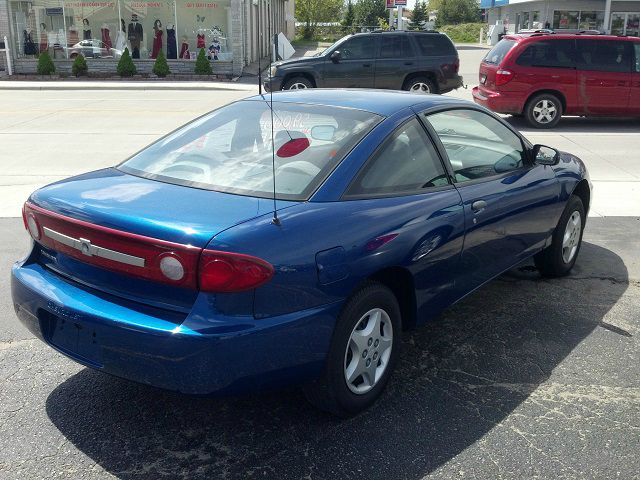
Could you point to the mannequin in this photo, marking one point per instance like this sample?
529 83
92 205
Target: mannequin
172 45
200 40
86 29
121 41
157 38
30 48
135 34
106 37
184 49
44 39
214 49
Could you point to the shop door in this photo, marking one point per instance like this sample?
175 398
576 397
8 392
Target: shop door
617 23
632 25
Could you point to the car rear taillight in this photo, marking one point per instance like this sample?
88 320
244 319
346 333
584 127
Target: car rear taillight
503 77
145 257
231 272
456 65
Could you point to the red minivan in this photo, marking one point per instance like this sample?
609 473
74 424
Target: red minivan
546 75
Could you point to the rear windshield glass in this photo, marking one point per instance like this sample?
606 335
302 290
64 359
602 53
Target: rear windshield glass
229 150
497 53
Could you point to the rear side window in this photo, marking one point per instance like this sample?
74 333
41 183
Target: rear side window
497 53
432 45
407 163
395 46
636 46
549 53
604 55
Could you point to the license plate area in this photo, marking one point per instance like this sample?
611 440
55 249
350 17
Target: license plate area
483 78
75 338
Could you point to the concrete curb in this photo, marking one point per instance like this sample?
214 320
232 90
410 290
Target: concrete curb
123 85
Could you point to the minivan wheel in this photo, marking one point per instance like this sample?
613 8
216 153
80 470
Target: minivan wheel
544 111
297 83
363 352
420 85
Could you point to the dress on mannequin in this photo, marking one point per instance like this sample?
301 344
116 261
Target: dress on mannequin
135 33
44 41
30 47
200 43
172 46
106 38
157 43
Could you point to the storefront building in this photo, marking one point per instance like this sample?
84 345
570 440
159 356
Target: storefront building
618 17
102 29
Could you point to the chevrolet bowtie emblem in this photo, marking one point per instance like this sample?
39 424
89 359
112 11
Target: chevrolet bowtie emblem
90 250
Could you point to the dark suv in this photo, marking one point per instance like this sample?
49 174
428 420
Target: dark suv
421 62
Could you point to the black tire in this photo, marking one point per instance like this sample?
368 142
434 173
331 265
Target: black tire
550 262
330 392
292 82
424 82
537 101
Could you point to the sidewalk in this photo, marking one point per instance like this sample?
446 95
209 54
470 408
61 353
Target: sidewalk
72 84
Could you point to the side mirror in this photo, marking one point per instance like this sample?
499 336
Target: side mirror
544 155
336 57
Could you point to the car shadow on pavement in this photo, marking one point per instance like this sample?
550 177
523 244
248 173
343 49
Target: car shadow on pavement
600 125
458 378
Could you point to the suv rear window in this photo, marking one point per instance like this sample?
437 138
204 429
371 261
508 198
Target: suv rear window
229 150
497 53
549 53
433 44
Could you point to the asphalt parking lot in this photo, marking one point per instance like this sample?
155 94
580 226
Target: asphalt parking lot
526 378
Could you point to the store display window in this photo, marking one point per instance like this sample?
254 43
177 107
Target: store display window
103 29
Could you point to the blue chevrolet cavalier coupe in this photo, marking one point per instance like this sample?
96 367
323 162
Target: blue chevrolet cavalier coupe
180 269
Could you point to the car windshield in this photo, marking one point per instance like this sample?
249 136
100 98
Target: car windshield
497 53
230 149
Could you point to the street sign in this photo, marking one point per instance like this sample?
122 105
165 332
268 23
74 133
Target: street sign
401 3
391 3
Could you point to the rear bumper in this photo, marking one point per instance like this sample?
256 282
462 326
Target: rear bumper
500 102
452 84
201 355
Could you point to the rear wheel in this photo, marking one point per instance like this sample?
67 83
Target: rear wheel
543 111
297 83
420 85
559 258
363 353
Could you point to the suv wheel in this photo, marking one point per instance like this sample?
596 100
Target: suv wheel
297 83
420 85
543 111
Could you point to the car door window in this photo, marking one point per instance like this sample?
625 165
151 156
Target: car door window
549 53
636 46
477 144
407 163
357 48
395 46
604 55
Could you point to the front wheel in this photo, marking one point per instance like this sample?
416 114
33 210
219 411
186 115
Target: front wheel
362 355
559 258
420 85
297 83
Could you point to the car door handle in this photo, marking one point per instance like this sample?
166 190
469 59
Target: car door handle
366 64
478 206
408 63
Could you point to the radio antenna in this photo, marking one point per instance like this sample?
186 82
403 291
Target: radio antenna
275 220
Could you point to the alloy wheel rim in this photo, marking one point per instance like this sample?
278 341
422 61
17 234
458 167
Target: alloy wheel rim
421 88
571 238
544 111
297 86
368 351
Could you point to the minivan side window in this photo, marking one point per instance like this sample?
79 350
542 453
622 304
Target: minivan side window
358 48
604 55
477 144
636 46
407 163
549 53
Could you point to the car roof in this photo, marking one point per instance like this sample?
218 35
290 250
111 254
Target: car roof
381 102
532 37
